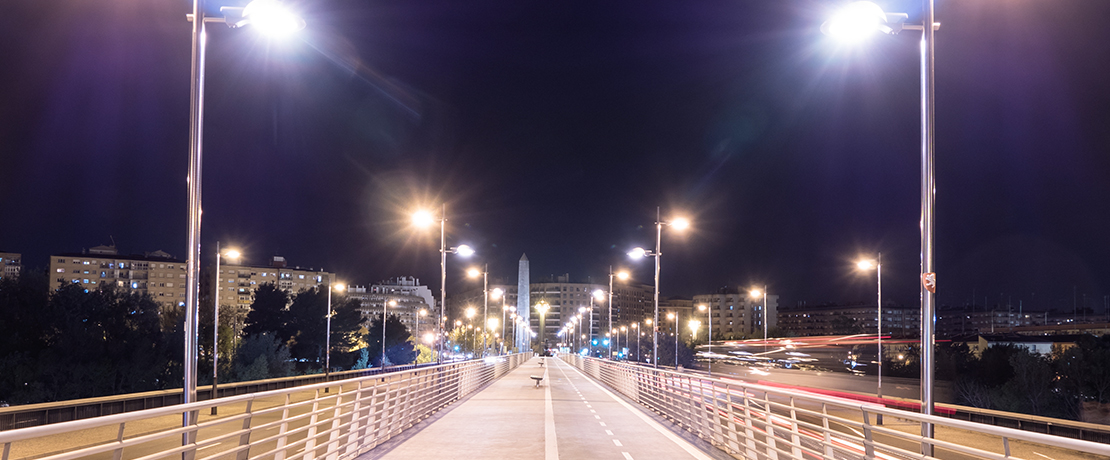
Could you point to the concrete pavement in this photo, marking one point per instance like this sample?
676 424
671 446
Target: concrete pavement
569 416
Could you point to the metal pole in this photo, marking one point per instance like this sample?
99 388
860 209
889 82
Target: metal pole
764 318
503 308
385 309
709 317
655 301
327 336
442 327
676 340
611 311
196 131
928 195
485 308
216 329
879 280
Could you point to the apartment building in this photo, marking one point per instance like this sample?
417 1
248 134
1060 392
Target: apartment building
156 273
735 313
236 283
10 264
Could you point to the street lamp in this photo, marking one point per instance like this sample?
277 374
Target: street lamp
624 329
709 319
755 294
385 309
470 312
623 275
327 338
694 325
877 265
230 254
422 312
424 219
674 317
473 273
863 19
261 14
680 223
542 308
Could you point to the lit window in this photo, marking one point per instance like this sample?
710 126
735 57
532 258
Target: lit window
60 270
85 280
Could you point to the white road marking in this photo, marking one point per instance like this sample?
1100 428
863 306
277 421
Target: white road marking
597 417
602 423
1043 455
689 448
609 432
618 443
626 455
550 444
593 411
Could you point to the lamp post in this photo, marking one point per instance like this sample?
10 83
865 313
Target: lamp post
755 295
674 317
709 319
327 336
422 312
623 275
542 308
473 273
425 219
694 325
858 20
624 329
267 16
470 312
877 264
385 310
231 254
679 224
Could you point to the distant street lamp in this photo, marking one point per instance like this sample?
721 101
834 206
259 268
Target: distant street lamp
473 273
267 16
424 219
327 337
422 312
862 19
231 254
709 319
680 223
623 275
694 325
877 264
755 295
542 308
624 329
385 310
674 317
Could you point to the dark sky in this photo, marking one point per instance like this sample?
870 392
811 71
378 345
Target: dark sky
556 128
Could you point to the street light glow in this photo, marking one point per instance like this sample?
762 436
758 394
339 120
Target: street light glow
232 254
756 293
623 275
866 264
496 293
339 287
470 312
473 272
423 219
464 250
637 253
856 22
271 18
599 294
680 223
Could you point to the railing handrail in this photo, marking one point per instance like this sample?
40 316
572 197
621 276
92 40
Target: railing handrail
21 434
851 405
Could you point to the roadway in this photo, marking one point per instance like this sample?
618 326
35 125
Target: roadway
895 387
568 416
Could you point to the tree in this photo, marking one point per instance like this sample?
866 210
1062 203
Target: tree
398 348
267 312
261 356
305 326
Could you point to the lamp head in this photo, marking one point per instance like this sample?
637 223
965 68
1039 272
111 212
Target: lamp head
756 293
702 307
423 219
471 311
496 293
473 273
866 265
339 287
623 275
231 254
464 250
271 18
637 253
857 21
680 223
599 295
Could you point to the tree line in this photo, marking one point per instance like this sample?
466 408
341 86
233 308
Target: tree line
73 343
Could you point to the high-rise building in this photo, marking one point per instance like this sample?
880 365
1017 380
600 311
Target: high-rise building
404 297
237 282
898 320
155 273
10 264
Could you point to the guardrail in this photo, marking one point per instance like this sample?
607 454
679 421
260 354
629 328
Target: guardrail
763 422
333 420
26 416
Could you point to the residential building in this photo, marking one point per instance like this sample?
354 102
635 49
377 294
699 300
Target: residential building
404 296
238 282
736 314
833 319
10 264
155 273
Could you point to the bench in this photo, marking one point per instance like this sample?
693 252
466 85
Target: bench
538 379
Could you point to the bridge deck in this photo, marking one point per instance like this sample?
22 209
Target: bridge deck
569 416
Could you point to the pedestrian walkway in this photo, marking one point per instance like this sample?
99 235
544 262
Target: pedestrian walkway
568 416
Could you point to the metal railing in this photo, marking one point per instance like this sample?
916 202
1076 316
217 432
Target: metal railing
334 420
29 415
761 422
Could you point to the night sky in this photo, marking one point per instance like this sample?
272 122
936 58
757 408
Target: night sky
556 128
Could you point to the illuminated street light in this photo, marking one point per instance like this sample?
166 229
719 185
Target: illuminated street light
755 294
424 219
385 309
474 273
839 26
623 275
673 317
196 142
327 338
709 319
877 265
230 254
679 223
542 308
